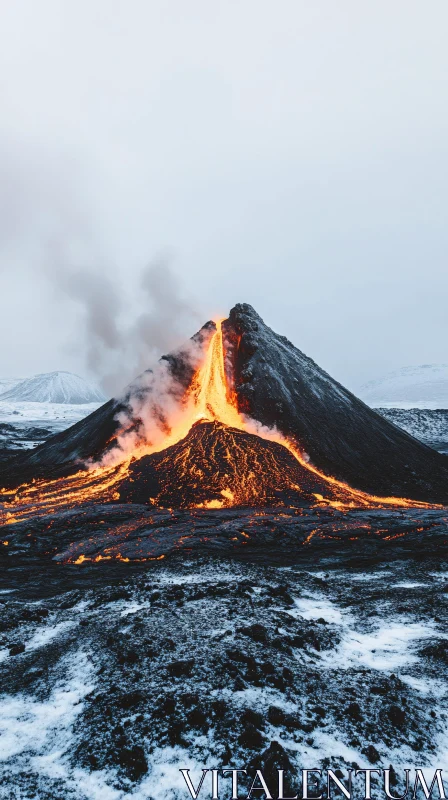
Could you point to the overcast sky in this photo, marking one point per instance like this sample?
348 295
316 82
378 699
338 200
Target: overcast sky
289 154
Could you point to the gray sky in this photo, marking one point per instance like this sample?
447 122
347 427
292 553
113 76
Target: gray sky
290 154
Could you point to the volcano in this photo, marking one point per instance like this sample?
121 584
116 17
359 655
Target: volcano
236 417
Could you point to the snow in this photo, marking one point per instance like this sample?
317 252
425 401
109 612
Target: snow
441 576
315 607
8 383
132 608
424 386
56 416
425 685
165 779
47 633
213 576
260 697
410 405
408 585
324 743
43 728
54 387
428 425
386 647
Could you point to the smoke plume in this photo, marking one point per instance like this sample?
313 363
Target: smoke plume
117 349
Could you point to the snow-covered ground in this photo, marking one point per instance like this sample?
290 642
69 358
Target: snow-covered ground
56 415
33 409
112 685
25 425
424 386
415 399
429 426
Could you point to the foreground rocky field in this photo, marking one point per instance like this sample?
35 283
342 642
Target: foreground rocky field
116 675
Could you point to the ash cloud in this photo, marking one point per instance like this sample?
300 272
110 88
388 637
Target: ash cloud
117 350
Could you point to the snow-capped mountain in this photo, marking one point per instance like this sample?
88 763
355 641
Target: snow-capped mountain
53 387
8 383
425 386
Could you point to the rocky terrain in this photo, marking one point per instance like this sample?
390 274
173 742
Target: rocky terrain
116 675
16 437
24 426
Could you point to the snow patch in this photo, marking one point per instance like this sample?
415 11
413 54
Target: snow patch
47 633
368 576
387 647
44 729
408 585
425 685
316 607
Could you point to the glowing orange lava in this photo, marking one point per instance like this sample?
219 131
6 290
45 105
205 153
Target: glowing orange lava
212 400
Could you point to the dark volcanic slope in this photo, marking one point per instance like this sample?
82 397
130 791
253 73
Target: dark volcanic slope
278 385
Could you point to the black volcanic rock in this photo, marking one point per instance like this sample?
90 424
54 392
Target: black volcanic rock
73 704
276 384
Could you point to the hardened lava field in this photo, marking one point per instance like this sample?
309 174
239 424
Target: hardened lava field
120 674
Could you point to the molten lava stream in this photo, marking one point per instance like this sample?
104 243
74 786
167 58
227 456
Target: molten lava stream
43 497
208 400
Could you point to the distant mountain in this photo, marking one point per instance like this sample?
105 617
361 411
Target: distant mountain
425 386
53 387
8 383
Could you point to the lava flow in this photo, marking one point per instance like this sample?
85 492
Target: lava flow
212 457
